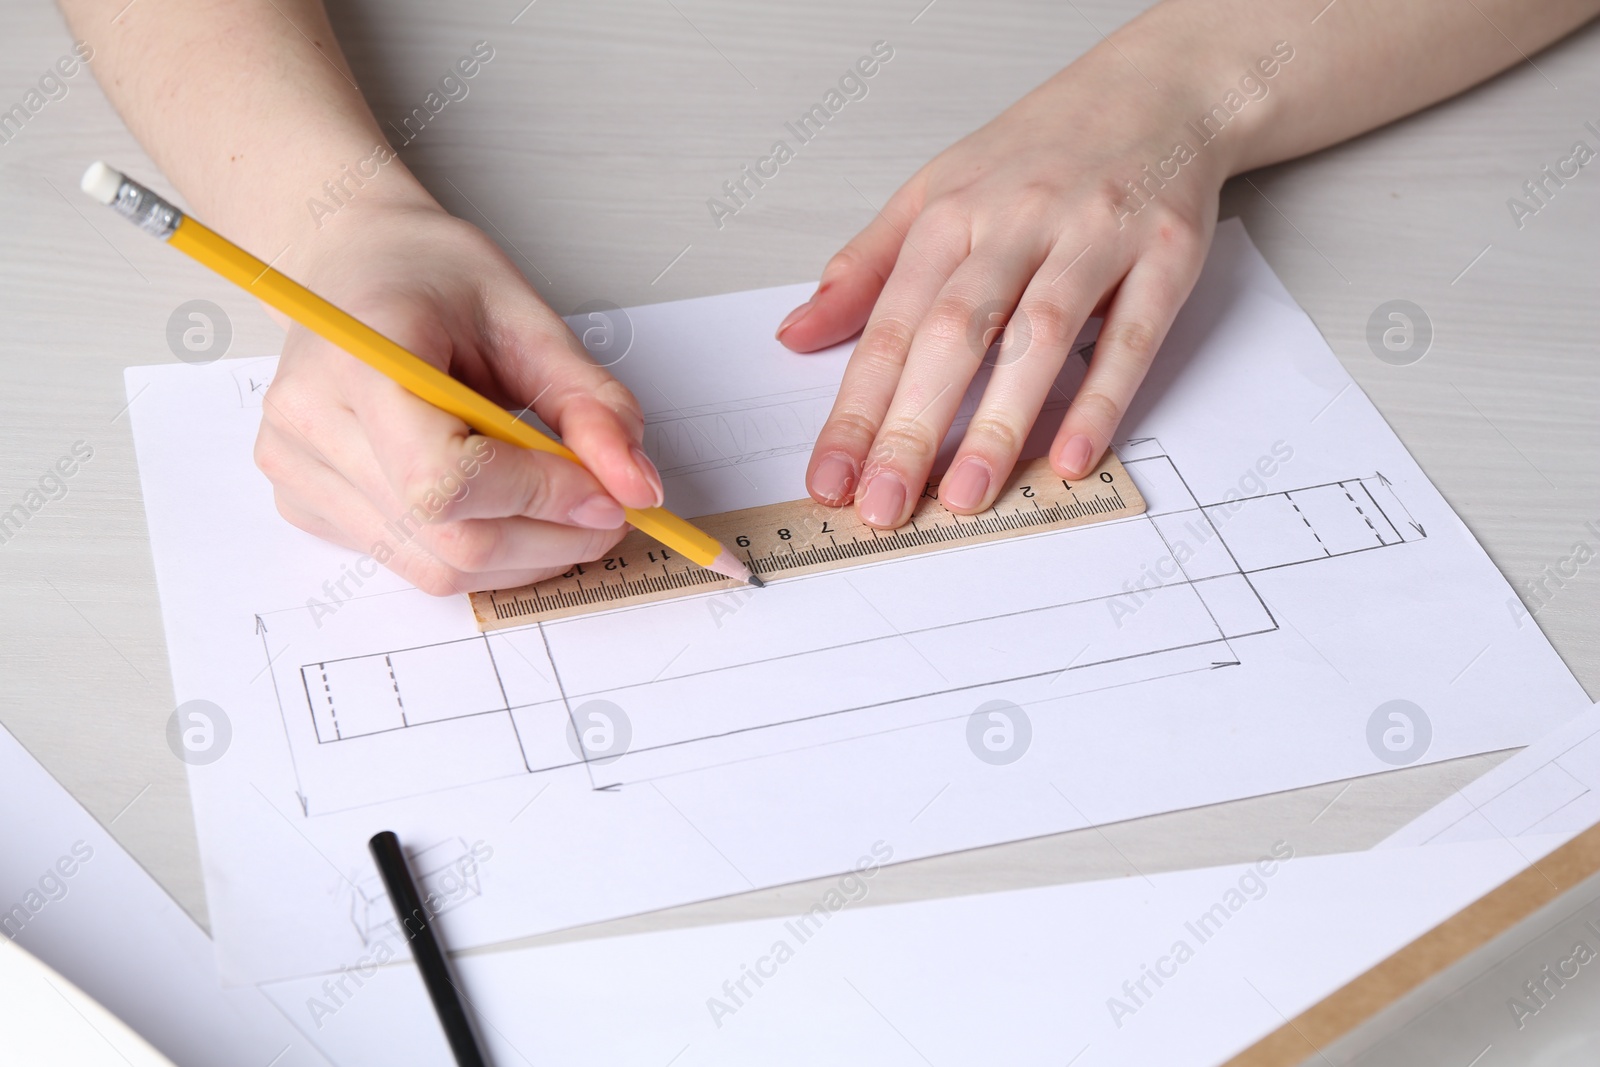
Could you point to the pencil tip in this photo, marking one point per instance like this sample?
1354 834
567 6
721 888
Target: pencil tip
732 566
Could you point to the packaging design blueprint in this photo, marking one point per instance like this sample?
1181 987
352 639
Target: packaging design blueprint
1295 583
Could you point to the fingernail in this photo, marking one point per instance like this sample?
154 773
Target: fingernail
599 512
796 315
834 478
648 472
884 499
1075 454
967 483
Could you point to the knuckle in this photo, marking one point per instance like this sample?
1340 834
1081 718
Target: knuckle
435 577
901 446
535 493
1035 198
289 407
1179 229
269 458
599 541
467 546
441 509
885 343
619 398
851 428
1133 341
1048 324
427 484
947 212
291 514
951 320
995 436
1113 200
1100 410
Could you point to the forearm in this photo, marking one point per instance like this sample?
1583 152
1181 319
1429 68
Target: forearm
248 107
1360 64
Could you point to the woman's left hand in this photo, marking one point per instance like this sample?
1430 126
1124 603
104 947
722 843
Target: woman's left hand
1029 220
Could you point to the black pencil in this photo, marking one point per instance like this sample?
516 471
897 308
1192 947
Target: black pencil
418 927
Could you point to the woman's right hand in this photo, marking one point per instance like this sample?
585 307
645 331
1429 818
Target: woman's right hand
356 459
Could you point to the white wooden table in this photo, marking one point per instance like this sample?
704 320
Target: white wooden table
589 146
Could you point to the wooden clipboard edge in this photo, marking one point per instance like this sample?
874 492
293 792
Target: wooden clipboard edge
1474 926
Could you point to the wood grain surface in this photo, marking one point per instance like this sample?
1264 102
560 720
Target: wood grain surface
588 149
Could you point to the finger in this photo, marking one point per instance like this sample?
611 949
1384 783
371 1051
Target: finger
432 465
498 480
313 496
424 565
544 365
933 251
948 349
603 426
1137 321
534 360
1037 339
854 277
305 518
306 424
410 457
439 558
484 546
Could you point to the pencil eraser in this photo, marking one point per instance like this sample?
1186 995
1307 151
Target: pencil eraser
101 182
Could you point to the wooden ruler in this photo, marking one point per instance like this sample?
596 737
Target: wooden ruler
803 537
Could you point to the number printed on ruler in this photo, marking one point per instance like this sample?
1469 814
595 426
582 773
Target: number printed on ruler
798 537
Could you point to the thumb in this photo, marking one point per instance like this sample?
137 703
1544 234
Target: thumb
852 280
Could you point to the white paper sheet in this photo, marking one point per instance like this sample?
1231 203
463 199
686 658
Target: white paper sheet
1202 652
1036 974
1033 976
1551 790
1091 975
72 897
1019 977
47 1019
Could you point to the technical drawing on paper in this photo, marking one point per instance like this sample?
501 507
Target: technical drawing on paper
1170 592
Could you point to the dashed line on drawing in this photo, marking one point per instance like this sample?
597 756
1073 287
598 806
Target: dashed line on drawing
1363 514
387 662
1307 521
333 713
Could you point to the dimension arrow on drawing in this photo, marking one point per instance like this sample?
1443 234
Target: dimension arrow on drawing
1415 525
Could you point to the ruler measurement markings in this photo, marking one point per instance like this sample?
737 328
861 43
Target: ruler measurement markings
811 535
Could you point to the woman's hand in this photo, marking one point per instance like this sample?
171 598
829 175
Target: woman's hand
1027 218
356 459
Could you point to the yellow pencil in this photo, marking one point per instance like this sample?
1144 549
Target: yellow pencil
158 217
